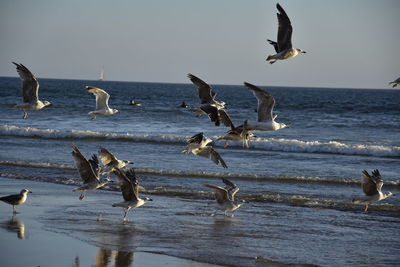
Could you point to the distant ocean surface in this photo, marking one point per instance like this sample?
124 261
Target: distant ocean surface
296 178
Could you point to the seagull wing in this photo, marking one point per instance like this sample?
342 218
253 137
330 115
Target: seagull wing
369 184
106 156
265 103
11 198
197 138
206 94
284 30
128 186
30 86
209 152
94 163
274 44
212 113
378 179
231 188
101 97
83 165
224 117
221 194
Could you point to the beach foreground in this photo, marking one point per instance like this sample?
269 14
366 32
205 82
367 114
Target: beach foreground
27 241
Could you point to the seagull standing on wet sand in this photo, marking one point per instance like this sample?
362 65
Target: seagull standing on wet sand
110 161
372 186
130 191
265 117
283 47
89 172
30 91
16 199
102 107
225 196
198 145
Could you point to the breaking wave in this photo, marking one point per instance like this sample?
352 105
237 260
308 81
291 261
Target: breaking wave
269 144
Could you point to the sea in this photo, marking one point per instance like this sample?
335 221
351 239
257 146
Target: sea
298 182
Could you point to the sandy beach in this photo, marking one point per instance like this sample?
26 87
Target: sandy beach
27 241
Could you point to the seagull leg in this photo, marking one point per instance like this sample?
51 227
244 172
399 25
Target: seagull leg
366 207
125 215
93 117
25 115
14 210
82 196
226 144
272 62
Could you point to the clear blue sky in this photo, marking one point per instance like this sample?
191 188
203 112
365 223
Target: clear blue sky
349 43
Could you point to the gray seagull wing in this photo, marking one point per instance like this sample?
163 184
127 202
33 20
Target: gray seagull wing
265 103
221 194
83 165
284 30
206 94
129 185
30 85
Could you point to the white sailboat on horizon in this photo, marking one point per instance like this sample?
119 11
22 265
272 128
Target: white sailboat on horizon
101 74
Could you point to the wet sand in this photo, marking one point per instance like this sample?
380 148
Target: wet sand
25 241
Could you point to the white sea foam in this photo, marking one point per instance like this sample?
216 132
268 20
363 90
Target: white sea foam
271 144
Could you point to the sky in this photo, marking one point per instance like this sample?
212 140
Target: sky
350 44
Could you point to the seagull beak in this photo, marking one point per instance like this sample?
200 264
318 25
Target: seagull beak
30 191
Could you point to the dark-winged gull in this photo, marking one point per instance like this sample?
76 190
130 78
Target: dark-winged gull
372 186
199 145
130 191
225 196
283 47
395 82
110 161
210 106
16 199
30 91
265 117
102 107
89 171
236 134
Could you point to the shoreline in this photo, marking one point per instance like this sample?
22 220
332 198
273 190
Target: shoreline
30 243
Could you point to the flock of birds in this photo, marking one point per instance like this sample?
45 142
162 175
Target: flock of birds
91 171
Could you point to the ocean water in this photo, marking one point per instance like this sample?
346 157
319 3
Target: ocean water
299 181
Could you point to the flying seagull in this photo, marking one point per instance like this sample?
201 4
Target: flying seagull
30 91
110 161
102 107
210 106
283 47
265 117
130 191
89 172
17 199
237 134
199 145
372 186
395 82
225 196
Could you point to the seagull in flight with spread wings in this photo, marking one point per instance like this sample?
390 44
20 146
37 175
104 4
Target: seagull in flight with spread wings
102 107
283 48
372 187
30 91
265 116
110 161
89 171
130 191
225 196
199 145
209 105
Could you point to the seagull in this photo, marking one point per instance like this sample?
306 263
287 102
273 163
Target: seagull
395 82
283 47
130 191
89 172
265 118
111 162
213 108
102 107
236 134
16 199
30 91
225 196
198 145
372 186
